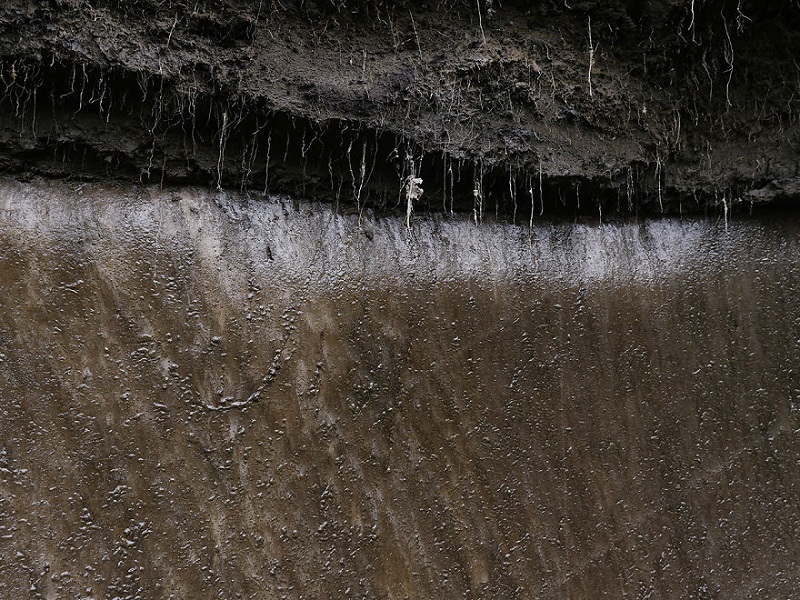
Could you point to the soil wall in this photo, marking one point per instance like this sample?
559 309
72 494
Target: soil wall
205 397
509 107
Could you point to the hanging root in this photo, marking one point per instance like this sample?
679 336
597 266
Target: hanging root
223 139
592 50
413 189
512 189
658 181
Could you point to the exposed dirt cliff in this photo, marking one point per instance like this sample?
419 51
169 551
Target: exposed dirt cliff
205 397
615 106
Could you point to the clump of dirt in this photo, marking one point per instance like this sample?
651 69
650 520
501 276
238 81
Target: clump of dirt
509 108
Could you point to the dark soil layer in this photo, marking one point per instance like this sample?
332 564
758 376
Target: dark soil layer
615 105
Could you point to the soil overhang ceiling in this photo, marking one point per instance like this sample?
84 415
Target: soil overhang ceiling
497 108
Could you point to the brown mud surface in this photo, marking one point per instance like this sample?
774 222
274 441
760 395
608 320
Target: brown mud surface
512 107
206 397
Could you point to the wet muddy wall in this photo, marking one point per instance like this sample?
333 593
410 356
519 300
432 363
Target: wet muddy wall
208 396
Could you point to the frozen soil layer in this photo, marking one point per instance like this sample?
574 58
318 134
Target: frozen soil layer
511 107
206 397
